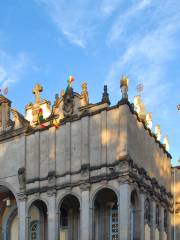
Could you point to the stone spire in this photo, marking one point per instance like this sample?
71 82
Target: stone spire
124 87
105 96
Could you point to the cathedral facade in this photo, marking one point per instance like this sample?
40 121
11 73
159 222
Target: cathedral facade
82 171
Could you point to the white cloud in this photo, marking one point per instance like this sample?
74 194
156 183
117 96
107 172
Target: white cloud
74 19
121 22
146 58
108 7
79 21
11 68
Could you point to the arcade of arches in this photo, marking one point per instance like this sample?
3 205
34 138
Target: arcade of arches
105 217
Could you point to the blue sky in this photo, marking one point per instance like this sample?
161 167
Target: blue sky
96 41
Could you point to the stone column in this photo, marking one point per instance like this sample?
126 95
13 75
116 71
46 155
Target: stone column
68 150
85 214
124 211
142 200
169 226
52 216
23 218
161 237
153 219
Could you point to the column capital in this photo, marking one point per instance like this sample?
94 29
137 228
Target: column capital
85 187
51 192
22 197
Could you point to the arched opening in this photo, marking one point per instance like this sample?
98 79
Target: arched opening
69 221
135 216
8 215
147 219
37 216
105 219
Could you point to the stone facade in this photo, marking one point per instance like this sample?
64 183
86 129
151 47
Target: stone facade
82 171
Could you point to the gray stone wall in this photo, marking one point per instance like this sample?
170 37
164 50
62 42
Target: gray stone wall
90 142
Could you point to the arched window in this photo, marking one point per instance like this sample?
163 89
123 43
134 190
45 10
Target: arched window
38 224
105 215
147 212
35 230
135 216
69 222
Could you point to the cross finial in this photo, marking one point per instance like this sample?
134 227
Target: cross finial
37 89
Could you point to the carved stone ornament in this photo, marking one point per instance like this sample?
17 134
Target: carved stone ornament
124 87
51 178
18 119
57 101
85 93
22 178
105 96
68 107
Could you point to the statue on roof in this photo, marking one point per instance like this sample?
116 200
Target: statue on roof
68 103
84 93
5 108
124 87
105 96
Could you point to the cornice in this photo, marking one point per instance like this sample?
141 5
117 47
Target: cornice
125 171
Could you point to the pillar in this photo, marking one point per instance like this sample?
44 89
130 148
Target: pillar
169 226
85 214
153 219
142 200
23 218
161 223
124 211
52 216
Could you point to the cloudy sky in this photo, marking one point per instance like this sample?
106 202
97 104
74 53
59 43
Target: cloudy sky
96 41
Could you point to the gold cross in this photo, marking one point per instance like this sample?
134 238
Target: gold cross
37 89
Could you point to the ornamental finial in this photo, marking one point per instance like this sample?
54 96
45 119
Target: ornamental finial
124 87
105 96
158 132
139 107
84 93
149 120
166 142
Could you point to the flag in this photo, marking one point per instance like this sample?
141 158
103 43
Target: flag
41 118
69 82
